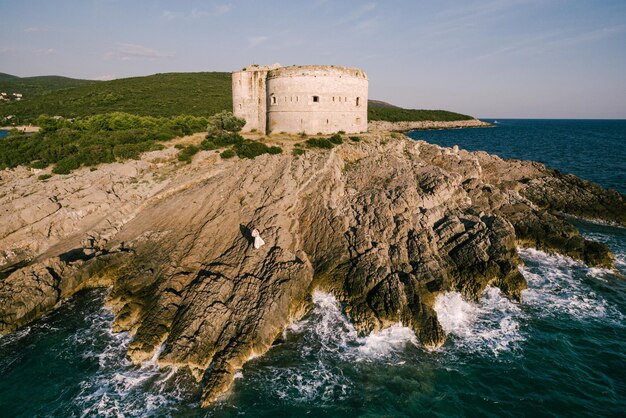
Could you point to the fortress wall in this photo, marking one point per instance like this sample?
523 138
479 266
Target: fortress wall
292 105
249 98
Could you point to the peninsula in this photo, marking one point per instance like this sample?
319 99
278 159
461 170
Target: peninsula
382 222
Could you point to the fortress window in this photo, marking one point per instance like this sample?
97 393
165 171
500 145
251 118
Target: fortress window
273 99
333 98
358 121
358 100
316 99
239 105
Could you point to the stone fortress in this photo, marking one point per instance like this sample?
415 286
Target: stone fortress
311 99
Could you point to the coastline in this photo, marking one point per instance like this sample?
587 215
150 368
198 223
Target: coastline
404 126
22 128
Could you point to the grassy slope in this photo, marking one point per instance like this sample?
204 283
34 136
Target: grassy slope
170 94
35 86
384 111
199 94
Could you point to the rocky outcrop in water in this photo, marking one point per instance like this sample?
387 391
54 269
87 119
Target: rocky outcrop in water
403 126
384 224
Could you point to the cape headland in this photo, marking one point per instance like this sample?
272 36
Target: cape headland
384 223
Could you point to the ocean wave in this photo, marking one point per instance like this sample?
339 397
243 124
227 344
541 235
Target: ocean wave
557 286
490 326
118 388
326 343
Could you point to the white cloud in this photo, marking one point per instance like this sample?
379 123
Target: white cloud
257 40
216 10
33 29
45 51
169 15
127 52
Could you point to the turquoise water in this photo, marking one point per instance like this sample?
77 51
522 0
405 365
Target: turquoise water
559 353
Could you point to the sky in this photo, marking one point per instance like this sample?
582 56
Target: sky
489 59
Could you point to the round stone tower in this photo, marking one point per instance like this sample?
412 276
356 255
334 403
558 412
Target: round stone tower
316 98
311 99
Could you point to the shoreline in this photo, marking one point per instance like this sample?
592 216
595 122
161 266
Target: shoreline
29 129
405 126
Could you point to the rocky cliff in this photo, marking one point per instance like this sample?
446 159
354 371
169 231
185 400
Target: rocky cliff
384 224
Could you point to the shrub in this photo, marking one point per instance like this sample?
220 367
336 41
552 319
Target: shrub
250 149
66 165
221 140
319 143
297 152
39 164
302 134
44 177
336 139
341 132
224 121
96 139
355 138
274 150
187 153
229 153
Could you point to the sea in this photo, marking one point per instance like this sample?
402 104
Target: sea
560 352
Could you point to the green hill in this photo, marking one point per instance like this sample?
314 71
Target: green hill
35 86
378 110
198 94
159 95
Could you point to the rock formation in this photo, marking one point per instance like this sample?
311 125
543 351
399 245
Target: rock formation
384 224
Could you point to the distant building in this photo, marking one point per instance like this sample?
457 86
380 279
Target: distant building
310 98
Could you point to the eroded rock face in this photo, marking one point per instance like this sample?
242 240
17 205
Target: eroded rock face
385 225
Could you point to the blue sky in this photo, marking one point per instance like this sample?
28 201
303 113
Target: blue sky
507 58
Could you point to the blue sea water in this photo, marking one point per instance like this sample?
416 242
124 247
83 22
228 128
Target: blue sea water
4 133
561 352
592 149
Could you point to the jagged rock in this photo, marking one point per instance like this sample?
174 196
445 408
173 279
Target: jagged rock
385 224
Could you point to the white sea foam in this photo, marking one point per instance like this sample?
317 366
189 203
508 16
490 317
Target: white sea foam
386 342
336 333
557 286
329 339
489 326
118 388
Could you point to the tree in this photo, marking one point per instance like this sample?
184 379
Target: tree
224 122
